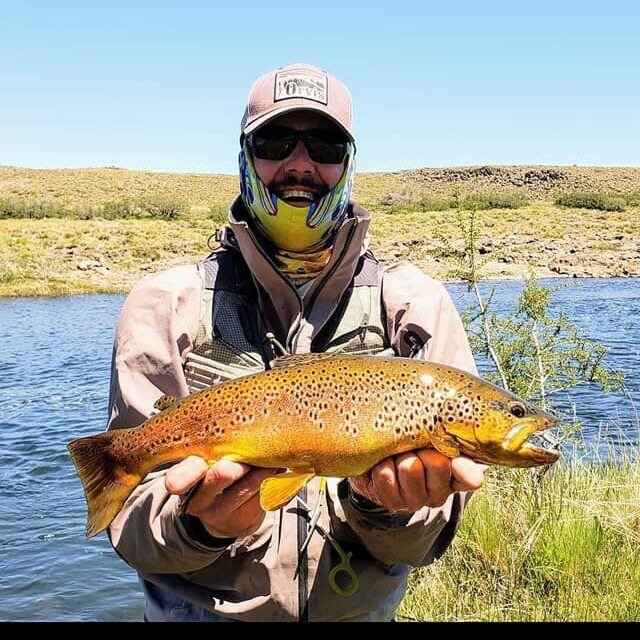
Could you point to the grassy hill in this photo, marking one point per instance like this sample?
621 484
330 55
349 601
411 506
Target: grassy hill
89 230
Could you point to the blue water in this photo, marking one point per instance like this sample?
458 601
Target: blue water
605 310
54 377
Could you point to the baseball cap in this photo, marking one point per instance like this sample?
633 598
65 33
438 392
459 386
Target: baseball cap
298 86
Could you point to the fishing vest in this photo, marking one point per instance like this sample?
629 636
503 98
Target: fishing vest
232 336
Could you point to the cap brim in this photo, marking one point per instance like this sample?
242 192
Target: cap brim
300 106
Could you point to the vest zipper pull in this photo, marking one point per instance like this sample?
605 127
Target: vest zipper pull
363 328
275 344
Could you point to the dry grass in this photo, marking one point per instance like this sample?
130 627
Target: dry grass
565 550
58 256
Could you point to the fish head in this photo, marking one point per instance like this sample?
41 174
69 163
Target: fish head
500 428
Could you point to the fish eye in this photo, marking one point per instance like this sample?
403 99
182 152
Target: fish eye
517 410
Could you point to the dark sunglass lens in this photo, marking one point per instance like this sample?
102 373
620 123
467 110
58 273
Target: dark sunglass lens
326 146
326 152
272 148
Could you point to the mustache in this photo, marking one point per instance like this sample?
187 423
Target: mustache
291 182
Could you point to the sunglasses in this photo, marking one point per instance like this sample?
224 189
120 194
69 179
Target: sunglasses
325 146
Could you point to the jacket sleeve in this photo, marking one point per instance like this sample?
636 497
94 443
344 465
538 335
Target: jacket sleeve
421 318
158 323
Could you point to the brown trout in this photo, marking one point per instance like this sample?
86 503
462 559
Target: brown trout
315 414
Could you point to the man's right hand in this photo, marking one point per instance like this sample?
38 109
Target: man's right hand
228 500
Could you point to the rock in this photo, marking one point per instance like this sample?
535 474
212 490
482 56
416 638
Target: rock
544 176
87 265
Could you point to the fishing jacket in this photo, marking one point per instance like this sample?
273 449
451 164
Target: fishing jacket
192 326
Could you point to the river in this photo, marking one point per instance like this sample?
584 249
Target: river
54 378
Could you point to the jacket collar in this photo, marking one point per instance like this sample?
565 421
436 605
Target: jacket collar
293 314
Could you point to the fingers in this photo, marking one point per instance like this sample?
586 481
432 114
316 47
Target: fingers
227 502
184 475
438 476
385 487
411 477
467 475
246 483
416 479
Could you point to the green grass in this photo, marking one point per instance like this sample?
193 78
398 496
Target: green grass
100 230
565 549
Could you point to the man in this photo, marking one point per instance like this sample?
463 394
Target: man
293 273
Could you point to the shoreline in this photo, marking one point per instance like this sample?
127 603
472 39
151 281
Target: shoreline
84 250
65 288
124 292
61 256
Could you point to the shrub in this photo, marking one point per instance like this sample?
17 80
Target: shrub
168 207
631 199
31 208
117 209
591 200
218 213
431 203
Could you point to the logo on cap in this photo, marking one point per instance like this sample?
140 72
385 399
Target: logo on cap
301 84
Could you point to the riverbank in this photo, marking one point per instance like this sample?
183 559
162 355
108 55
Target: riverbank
412 212
565 548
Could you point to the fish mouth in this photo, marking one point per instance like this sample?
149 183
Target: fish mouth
532 440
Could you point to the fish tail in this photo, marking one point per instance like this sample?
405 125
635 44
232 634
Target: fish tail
106 481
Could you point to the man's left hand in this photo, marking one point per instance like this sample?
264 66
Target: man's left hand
416 479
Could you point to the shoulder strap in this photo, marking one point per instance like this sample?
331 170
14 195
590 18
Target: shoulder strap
225 270
369 272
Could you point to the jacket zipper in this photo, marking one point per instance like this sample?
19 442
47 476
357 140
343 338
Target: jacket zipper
303 565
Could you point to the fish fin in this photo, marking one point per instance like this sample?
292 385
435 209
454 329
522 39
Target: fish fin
276 491
105 480
298 359
164 402
445 444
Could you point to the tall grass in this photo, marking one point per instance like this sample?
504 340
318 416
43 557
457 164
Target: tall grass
564 547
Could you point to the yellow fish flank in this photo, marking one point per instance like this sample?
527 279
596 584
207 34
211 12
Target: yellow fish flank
319 415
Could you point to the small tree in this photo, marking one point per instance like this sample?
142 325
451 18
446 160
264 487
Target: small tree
535 352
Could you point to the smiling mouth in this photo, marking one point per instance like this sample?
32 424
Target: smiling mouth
297 197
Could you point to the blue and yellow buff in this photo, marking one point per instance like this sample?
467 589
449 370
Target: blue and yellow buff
302 236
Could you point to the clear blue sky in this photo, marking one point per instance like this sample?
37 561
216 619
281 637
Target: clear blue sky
162 85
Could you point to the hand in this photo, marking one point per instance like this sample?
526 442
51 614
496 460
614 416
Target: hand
416 479
228 500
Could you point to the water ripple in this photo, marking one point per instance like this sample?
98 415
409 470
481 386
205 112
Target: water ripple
54 384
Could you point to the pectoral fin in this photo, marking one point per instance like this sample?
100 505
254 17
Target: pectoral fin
445 444
276 491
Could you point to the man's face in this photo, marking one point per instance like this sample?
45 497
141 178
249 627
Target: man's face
297 179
